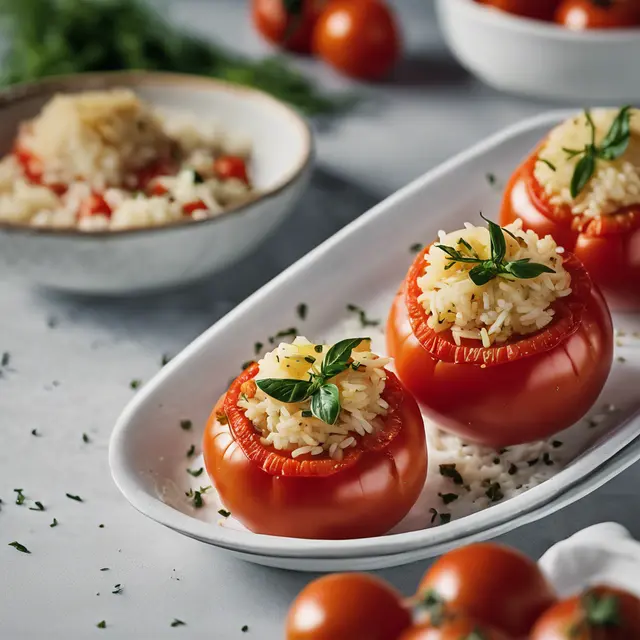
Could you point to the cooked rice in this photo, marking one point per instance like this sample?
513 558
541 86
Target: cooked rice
97 142
502 307
615 183
282 424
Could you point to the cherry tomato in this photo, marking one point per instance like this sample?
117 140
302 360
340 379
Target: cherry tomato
347 606
608 246
226 167
288 29
190 207
523 390
358 37
493 584
535 9
600 613
93 205
598 14
365 494
457 627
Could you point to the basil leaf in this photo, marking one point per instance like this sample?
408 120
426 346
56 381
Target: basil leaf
285 390
616 141
482 274
524 269
498 243
582 173
335 361
325 403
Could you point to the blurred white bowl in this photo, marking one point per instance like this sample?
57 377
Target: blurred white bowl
130 261
541 59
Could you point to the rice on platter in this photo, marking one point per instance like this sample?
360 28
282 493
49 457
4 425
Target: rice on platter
106 160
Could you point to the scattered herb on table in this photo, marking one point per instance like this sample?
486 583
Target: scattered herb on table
166 358
102 624
324 395
135 383
302 310
6 358
491 179
20 498
362 315
191 451
196 473
178 623
39 506
85 438
414 248
186 424
450 471
104 569
494 492
448 498
34 432
117 589
245 628
72 497
486 270
54 523
196 496
19 547
258 347
224 513
613 145
291 332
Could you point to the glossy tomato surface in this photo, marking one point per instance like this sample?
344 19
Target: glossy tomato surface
365 494
347 606
459 627
598 14
535 9
226 167
288 29
608 246
358 37
601 613
519 392
493 584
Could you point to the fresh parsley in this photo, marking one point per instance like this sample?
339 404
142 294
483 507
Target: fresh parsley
224 513
72 497
196 496
196 473
448 498
39 506
450 471
102 624
486 270
19 547
324 396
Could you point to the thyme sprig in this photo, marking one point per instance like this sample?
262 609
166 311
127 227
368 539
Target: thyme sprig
496 265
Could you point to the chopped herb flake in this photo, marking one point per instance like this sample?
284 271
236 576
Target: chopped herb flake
39 506
533 462
104 569
512 469
34 432
549 164
546 458
245 628
6 357
362 315
166 358
19 547
178 623
434 514
414 248
195 472
494 492
85 438
54 523
224 513
258 347
186 424
117 589
102 624
100 526
306 413
301 310
20 497
134 384
309 359
491 179
450 471
556 443
318 348
445 518
191 451
72 497
447 498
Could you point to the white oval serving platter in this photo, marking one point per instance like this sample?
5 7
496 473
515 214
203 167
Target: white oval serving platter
363 265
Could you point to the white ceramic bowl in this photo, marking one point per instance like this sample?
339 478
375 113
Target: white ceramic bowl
540 59
131 261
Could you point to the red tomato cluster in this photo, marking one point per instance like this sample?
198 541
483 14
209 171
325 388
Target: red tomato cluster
479 592
575 14
359 38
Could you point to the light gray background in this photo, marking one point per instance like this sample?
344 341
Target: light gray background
74 378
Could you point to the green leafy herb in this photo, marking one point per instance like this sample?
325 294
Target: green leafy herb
601 610
195 472
549 164
362 315
486 270
54 523
450 471
85 438
19 547
102 624
135 383
196 496
6 357
20 497
185 425
612 146
448 498
39 506
224 513
318 348
178 623
302 310
72 497
191 451
494 492
325 397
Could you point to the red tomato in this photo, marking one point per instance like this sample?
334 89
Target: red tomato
493 584
32 169
536 9
358 37
458 627
524 390
94 205
347 606
608 246
600 613
226 167
598 14
365 494
162 167
288 29
190 207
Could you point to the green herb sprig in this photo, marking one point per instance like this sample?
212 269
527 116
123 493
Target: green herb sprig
613 145
324 395
496 266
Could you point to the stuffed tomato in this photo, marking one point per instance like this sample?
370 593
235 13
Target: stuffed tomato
317 442
500 336
582 186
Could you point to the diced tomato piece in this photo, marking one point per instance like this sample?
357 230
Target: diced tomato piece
94 205
158 189
190 207
226 167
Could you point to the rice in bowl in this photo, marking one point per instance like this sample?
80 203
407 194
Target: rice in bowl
106 160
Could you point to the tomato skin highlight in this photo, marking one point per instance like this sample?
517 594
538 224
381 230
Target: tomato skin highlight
507 401
608 246
272 21
493 584
347 606
359 38
457 628
366 494
226 167
589 14
566 620
534 9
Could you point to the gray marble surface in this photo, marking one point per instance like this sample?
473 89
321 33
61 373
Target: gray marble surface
71 361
